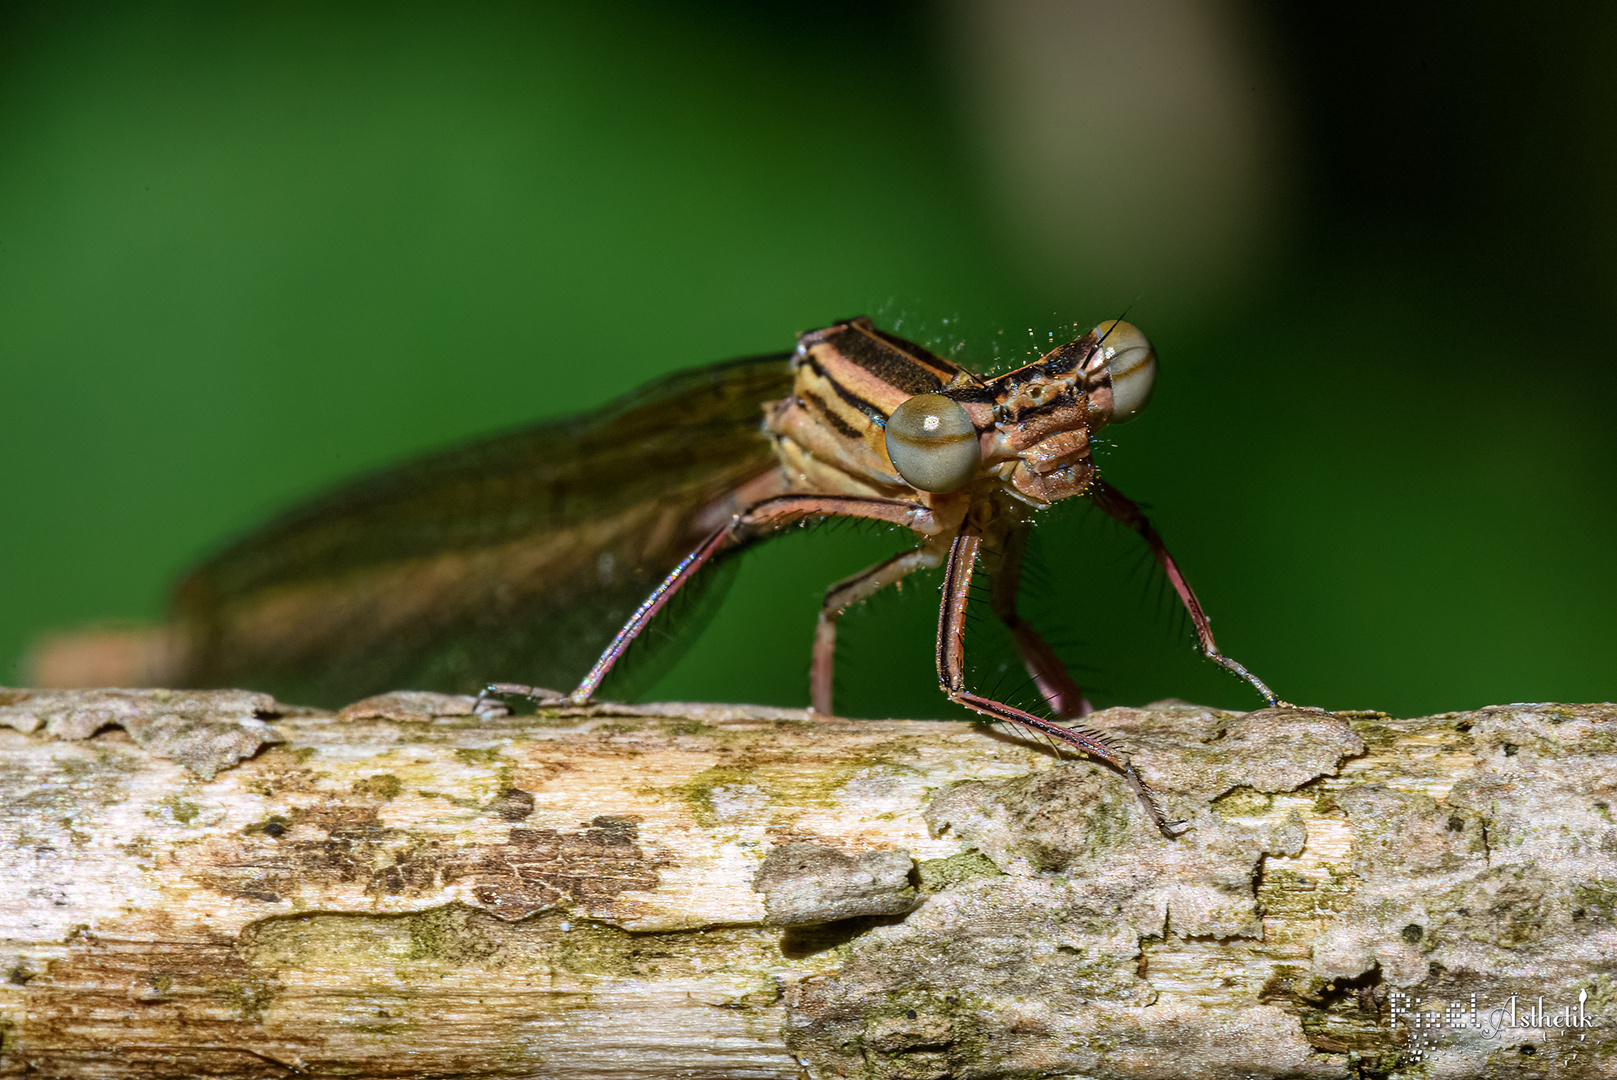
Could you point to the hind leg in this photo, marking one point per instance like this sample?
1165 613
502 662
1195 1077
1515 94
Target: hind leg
1050 675
843 595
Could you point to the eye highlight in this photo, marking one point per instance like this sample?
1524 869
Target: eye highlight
933 444
1131 364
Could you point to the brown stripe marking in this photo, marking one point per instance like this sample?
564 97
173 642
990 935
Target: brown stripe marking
819 405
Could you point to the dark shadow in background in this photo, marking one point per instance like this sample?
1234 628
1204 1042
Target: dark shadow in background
1387 468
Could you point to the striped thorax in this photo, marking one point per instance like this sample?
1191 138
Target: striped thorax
874 415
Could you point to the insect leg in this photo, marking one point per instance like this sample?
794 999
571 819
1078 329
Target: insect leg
1049 674
1121 508
951 657
843 595
761 517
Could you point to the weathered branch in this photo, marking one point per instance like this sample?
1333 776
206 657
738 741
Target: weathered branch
408 890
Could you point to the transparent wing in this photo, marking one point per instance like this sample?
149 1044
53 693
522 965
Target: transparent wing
511 559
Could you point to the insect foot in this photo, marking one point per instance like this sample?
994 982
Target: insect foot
494 693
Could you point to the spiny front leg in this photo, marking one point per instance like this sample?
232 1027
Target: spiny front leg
843 595
951 658
1123 510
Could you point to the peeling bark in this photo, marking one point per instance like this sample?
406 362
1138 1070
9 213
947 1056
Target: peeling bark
412 889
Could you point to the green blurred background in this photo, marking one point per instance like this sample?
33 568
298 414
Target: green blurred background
249 250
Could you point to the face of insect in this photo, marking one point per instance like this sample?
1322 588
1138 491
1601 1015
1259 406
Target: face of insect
1043 413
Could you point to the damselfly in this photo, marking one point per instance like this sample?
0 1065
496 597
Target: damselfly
521 555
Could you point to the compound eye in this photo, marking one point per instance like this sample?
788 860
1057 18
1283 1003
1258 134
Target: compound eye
933 444
1131 363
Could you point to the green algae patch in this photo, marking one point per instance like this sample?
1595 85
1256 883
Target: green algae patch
248 998
452 800
697 792
1595 900
939 874
445 935
459 941
381 786
490 757
1242 802
1376 734
790 779
78 780
783 787
181 811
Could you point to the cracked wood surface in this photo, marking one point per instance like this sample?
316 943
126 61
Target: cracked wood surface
410 889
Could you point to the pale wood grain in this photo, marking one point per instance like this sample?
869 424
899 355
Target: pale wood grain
396 892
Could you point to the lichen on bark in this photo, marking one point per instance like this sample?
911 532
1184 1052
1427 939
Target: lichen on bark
412 887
